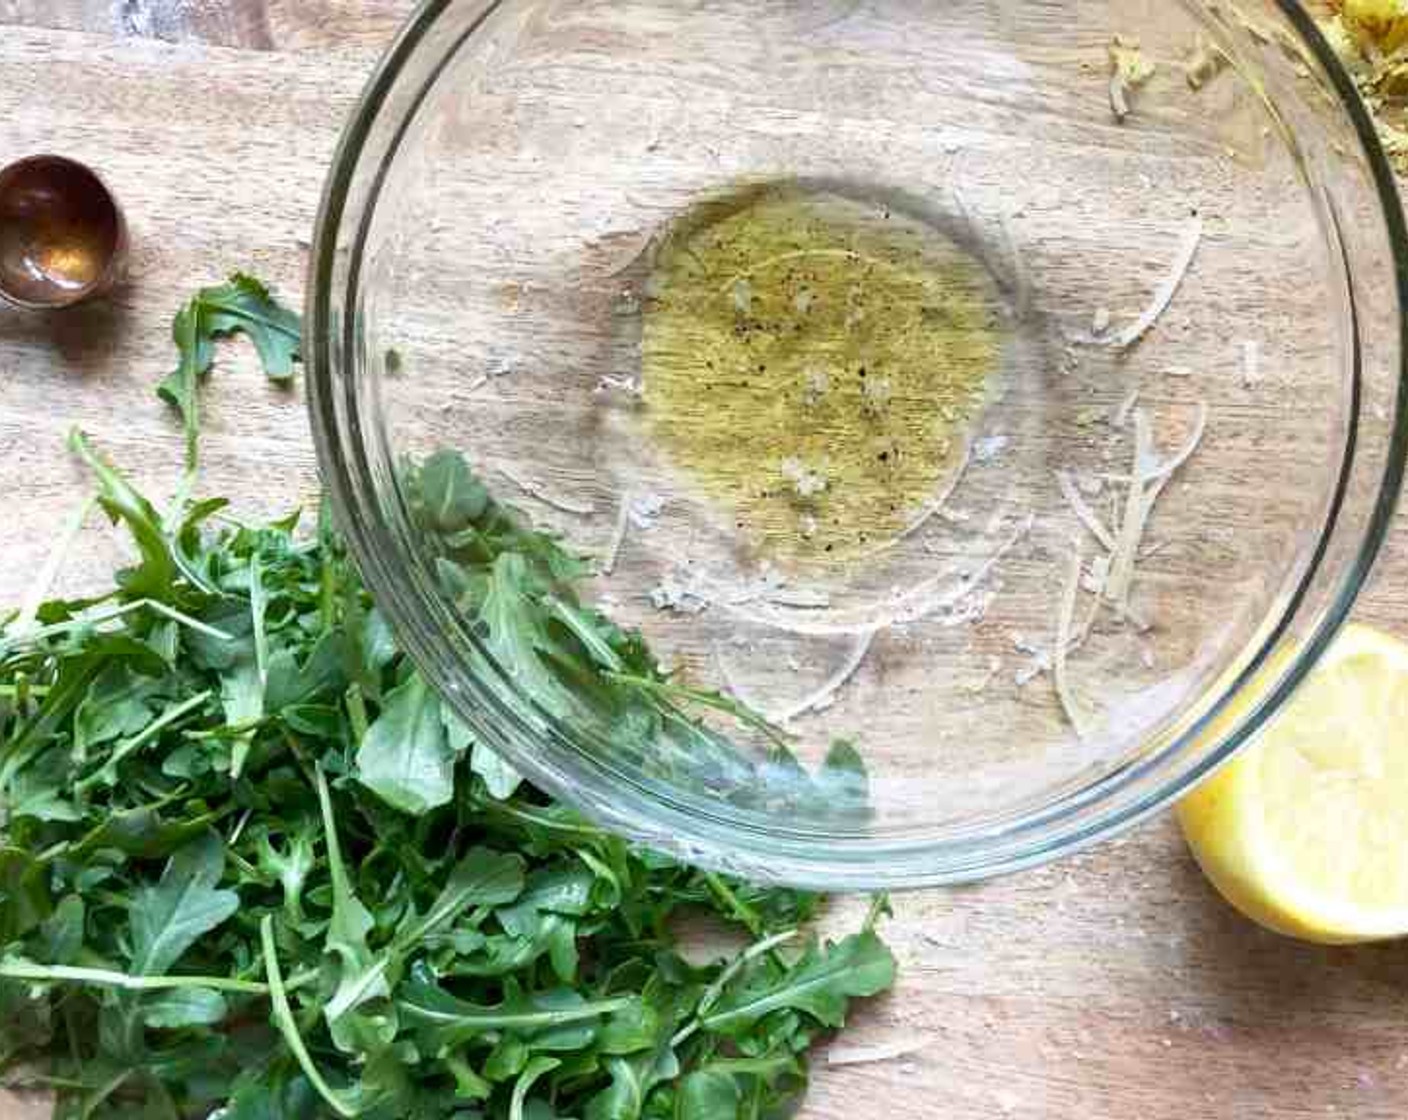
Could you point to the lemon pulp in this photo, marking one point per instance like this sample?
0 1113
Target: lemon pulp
1305 831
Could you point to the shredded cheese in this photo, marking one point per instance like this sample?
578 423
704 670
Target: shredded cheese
1088 517
1163 295
533 490
857 1055
1132 524
618 535
1064 623
1251 363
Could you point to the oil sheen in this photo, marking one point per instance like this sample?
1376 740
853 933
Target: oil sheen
813 364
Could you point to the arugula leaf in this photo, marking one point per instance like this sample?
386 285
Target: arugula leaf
61 936
288 1025
631 1083
244 305
38 790
446 1021
291 867
821 984
708 1095
24 895
320 675
647 1039
500 779
378 642
116 705
257 1098
454 499
518 636
405 757
843 781
154 576
168 918
481 878
535 1069
347 935
185 1007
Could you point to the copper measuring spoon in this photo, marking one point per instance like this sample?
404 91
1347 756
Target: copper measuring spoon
63 239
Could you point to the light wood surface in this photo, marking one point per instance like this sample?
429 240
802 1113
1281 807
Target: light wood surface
1112 986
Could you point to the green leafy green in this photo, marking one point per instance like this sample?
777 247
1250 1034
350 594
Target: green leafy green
122 503
820 983
240 305
184 905
185 1007
454 499
251 866
708 1094
405 756
444 1021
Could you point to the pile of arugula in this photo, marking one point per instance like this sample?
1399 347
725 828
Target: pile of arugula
252 868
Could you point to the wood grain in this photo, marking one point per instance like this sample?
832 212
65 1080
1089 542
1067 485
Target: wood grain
249 24
1111 986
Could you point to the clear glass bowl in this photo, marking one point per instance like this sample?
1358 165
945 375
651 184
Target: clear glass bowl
1051 352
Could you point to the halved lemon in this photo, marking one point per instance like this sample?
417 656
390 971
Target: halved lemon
1306 831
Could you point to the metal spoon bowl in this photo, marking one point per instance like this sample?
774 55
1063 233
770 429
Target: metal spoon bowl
63 239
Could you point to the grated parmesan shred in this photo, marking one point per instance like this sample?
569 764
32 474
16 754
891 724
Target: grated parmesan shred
1128 71
1064 624
884 1052
618 535
1111 576
1131 529
1088 517
533 490
1163 295
1251 363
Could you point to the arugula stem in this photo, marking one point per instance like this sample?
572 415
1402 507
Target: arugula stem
667 690
328 597
96 833
238 831
99 1095
734 967
24 690
102 977
15 969
108 771
258 602
740 909
356 712
879 908
537 820
97 619
288 1026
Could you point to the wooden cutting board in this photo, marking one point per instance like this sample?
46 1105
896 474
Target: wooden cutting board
1112 986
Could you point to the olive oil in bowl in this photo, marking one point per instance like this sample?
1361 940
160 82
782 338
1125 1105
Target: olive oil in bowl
814 362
